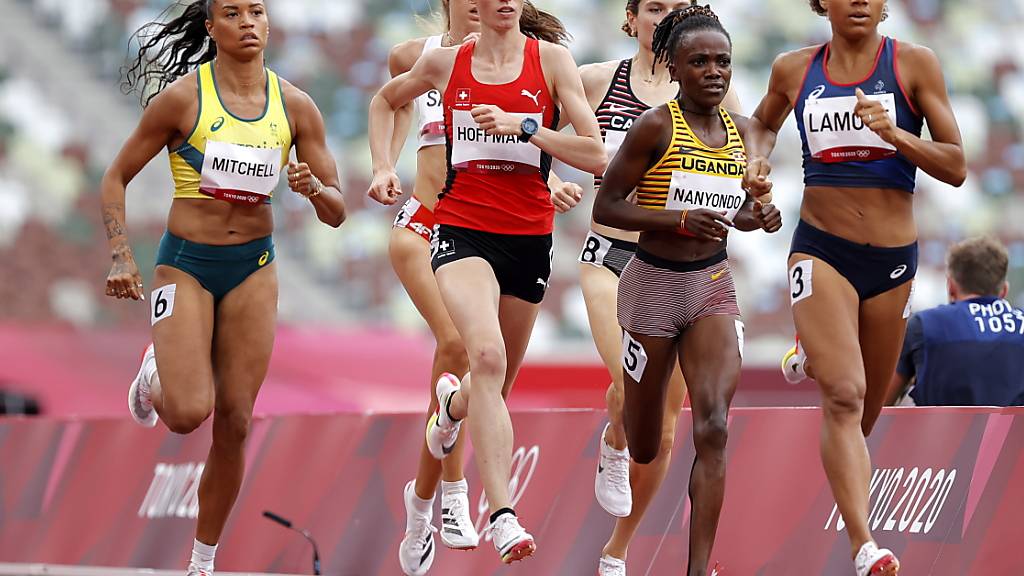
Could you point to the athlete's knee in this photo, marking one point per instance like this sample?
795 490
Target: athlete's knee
185 417
643 448
451 354
711 432
843 398
488 359
232 423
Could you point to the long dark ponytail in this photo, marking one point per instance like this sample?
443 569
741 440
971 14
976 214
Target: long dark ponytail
538 24
180 46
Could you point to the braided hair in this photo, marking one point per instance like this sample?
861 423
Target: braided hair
680 22
181 45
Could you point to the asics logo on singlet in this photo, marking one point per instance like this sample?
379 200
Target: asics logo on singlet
533 97
899 271
217 124
264 257
816 92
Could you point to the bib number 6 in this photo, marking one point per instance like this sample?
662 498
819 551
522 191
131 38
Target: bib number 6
162 303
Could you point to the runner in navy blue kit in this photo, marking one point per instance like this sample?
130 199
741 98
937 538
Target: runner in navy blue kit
969 352
860 103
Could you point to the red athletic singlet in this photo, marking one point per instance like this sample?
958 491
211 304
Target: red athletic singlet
496 183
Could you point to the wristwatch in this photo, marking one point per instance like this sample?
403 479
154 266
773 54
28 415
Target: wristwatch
529 128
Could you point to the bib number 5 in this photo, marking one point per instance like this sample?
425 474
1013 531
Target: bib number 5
634 357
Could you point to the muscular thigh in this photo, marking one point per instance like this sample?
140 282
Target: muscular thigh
244 336
470 293
410 257
600 293
826 315
883 324
710 358
181 311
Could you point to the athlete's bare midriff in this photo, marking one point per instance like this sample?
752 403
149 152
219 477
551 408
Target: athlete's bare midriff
431 173
217 222
876 216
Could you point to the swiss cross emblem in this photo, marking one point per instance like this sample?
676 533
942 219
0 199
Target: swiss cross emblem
463 96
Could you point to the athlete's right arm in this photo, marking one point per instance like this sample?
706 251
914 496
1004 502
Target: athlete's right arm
158 126
400 60
763 128
430 71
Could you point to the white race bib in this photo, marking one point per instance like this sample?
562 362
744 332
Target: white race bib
690 191
836 134
474 150
613 140
239 173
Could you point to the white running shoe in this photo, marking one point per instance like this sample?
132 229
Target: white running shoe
874 561
442 431
512 542
457 530
611 484
194 570
793 364
139 403
416 552
610 566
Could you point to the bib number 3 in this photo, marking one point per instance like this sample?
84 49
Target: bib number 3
800 286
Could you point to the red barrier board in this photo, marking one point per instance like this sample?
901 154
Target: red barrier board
947 495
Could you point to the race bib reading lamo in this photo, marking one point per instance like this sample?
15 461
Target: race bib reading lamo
475 151
239 173
836 134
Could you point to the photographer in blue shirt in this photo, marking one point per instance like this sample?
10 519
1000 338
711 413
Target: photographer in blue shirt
969 352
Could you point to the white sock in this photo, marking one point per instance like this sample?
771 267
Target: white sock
449 488
202 555
422 506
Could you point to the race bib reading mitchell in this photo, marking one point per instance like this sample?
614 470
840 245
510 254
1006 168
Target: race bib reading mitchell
239 173
475 151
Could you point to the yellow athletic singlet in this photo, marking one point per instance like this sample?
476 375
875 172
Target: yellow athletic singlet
692 175
231 158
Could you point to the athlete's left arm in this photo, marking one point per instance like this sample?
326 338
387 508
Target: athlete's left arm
941 157
583 150
756 213
315 175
